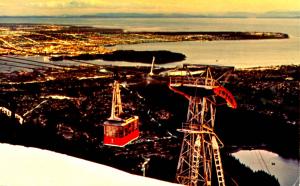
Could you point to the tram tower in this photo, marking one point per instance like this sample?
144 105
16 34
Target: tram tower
200 146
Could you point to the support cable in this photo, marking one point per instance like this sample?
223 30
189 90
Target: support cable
18 66
264 162
34 61
24 63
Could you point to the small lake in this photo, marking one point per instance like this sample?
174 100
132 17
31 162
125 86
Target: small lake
287 171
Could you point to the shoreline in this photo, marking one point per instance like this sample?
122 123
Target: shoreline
47 71
47 40
161 56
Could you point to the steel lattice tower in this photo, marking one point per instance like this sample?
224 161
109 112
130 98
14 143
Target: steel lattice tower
200 144
116 105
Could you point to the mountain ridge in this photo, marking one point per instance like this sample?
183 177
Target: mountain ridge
271 14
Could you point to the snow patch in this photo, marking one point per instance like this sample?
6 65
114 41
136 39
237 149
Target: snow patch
31 166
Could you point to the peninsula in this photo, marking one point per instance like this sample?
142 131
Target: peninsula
67 40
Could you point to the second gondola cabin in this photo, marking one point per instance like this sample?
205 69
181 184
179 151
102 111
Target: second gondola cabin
119 130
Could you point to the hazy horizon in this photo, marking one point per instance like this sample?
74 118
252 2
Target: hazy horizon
86 7
270 14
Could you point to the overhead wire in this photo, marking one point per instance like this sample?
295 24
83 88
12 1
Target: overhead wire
258 159
261 161
18 66
35 61
24 63
264 162
84 62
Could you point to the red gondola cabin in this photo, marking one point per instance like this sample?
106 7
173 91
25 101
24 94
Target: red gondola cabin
118 129
120 133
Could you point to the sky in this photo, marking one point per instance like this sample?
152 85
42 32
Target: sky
81 7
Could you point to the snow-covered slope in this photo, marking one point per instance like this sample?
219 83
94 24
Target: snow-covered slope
31 166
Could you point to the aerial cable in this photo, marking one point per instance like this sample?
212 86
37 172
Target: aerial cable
261 161
84 62
264 162
258 159
19 66
10 61
30 60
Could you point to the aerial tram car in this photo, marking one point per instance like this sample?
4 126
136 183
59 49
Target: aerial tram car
119 129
